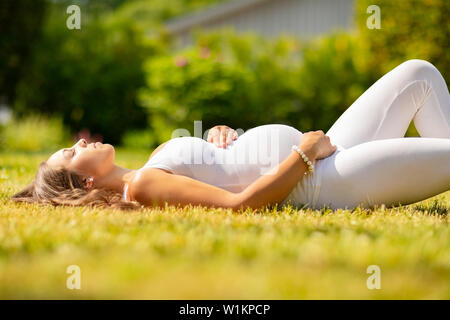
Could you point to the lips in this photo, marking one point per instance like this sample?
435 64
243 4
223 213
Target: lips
95 145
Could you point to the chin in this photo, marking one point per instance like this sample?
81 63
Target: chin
107 145
111 150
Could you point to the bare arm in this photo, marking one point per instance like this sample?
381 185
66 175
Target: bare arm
155 187
275 187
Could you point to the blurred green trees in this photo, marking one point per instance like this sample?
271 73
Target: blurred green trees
34 133
244 81
20 23
412 29
88 77
120 77
225 79
333 74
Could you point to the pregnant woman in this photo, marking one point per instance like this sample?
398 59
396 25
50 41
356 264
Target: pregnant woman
364 159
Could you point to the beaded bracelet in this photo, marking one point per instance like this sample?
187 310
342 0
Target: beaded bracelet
305 158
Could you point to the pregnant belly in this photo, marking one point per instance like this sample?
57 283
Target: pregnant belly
266 145
258 151
252 155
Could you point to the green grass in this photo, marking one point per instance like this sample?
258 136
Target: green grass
205 254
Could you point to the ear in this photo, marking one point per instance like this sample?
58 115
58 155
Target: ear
88 183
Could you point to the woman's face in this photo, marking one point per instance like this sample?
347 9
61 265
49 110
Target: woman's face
93 159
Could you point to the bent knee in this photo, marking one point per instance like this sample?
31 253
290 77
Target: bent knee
419 69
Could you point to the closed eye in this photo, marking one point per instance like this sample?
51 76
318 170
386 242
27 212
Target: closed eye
69 153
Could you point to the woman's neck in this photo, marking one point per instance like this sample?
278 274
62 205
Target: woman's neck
115 179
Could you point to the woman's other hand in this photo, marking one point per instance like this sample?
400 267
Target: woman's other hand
221 136
316 145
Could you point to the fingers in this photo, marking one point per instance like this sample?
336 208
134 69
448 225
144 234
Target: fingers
332 145
210 136
212 133
221 136
216 137
230 136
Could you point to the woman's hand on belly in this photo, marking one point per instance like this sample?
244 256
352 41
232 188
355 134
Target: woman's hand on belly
317 145
221 136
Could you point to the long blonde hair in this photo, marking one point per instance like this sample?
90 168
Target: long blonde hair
64 187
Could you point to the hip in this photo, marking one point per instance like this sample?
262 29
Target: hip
307 191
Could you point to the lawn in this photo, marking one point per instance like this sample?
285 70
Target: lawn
195 253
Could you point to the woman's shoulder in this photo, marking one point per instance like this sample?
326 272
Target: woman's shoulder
144 178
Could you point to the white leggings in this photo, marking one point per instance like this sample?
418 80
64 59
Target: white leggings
377 164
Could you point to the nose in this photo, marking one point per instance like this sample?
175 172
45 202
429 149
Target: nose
82 142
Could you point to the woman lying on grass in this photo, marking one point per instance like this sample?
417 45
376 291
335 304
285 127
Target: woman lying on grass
364 159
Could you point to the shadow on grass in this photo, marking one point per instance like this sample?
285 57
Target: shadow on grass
434 208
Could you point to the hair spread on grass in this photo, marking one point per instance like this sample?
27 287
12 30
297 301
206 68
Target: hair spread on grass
63 187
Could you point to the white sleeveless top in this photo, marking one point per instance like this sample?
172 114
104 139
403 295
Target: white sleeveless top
249 157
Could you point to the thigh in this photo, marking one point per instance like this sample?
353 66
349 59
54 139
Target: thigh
390 171
386 109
